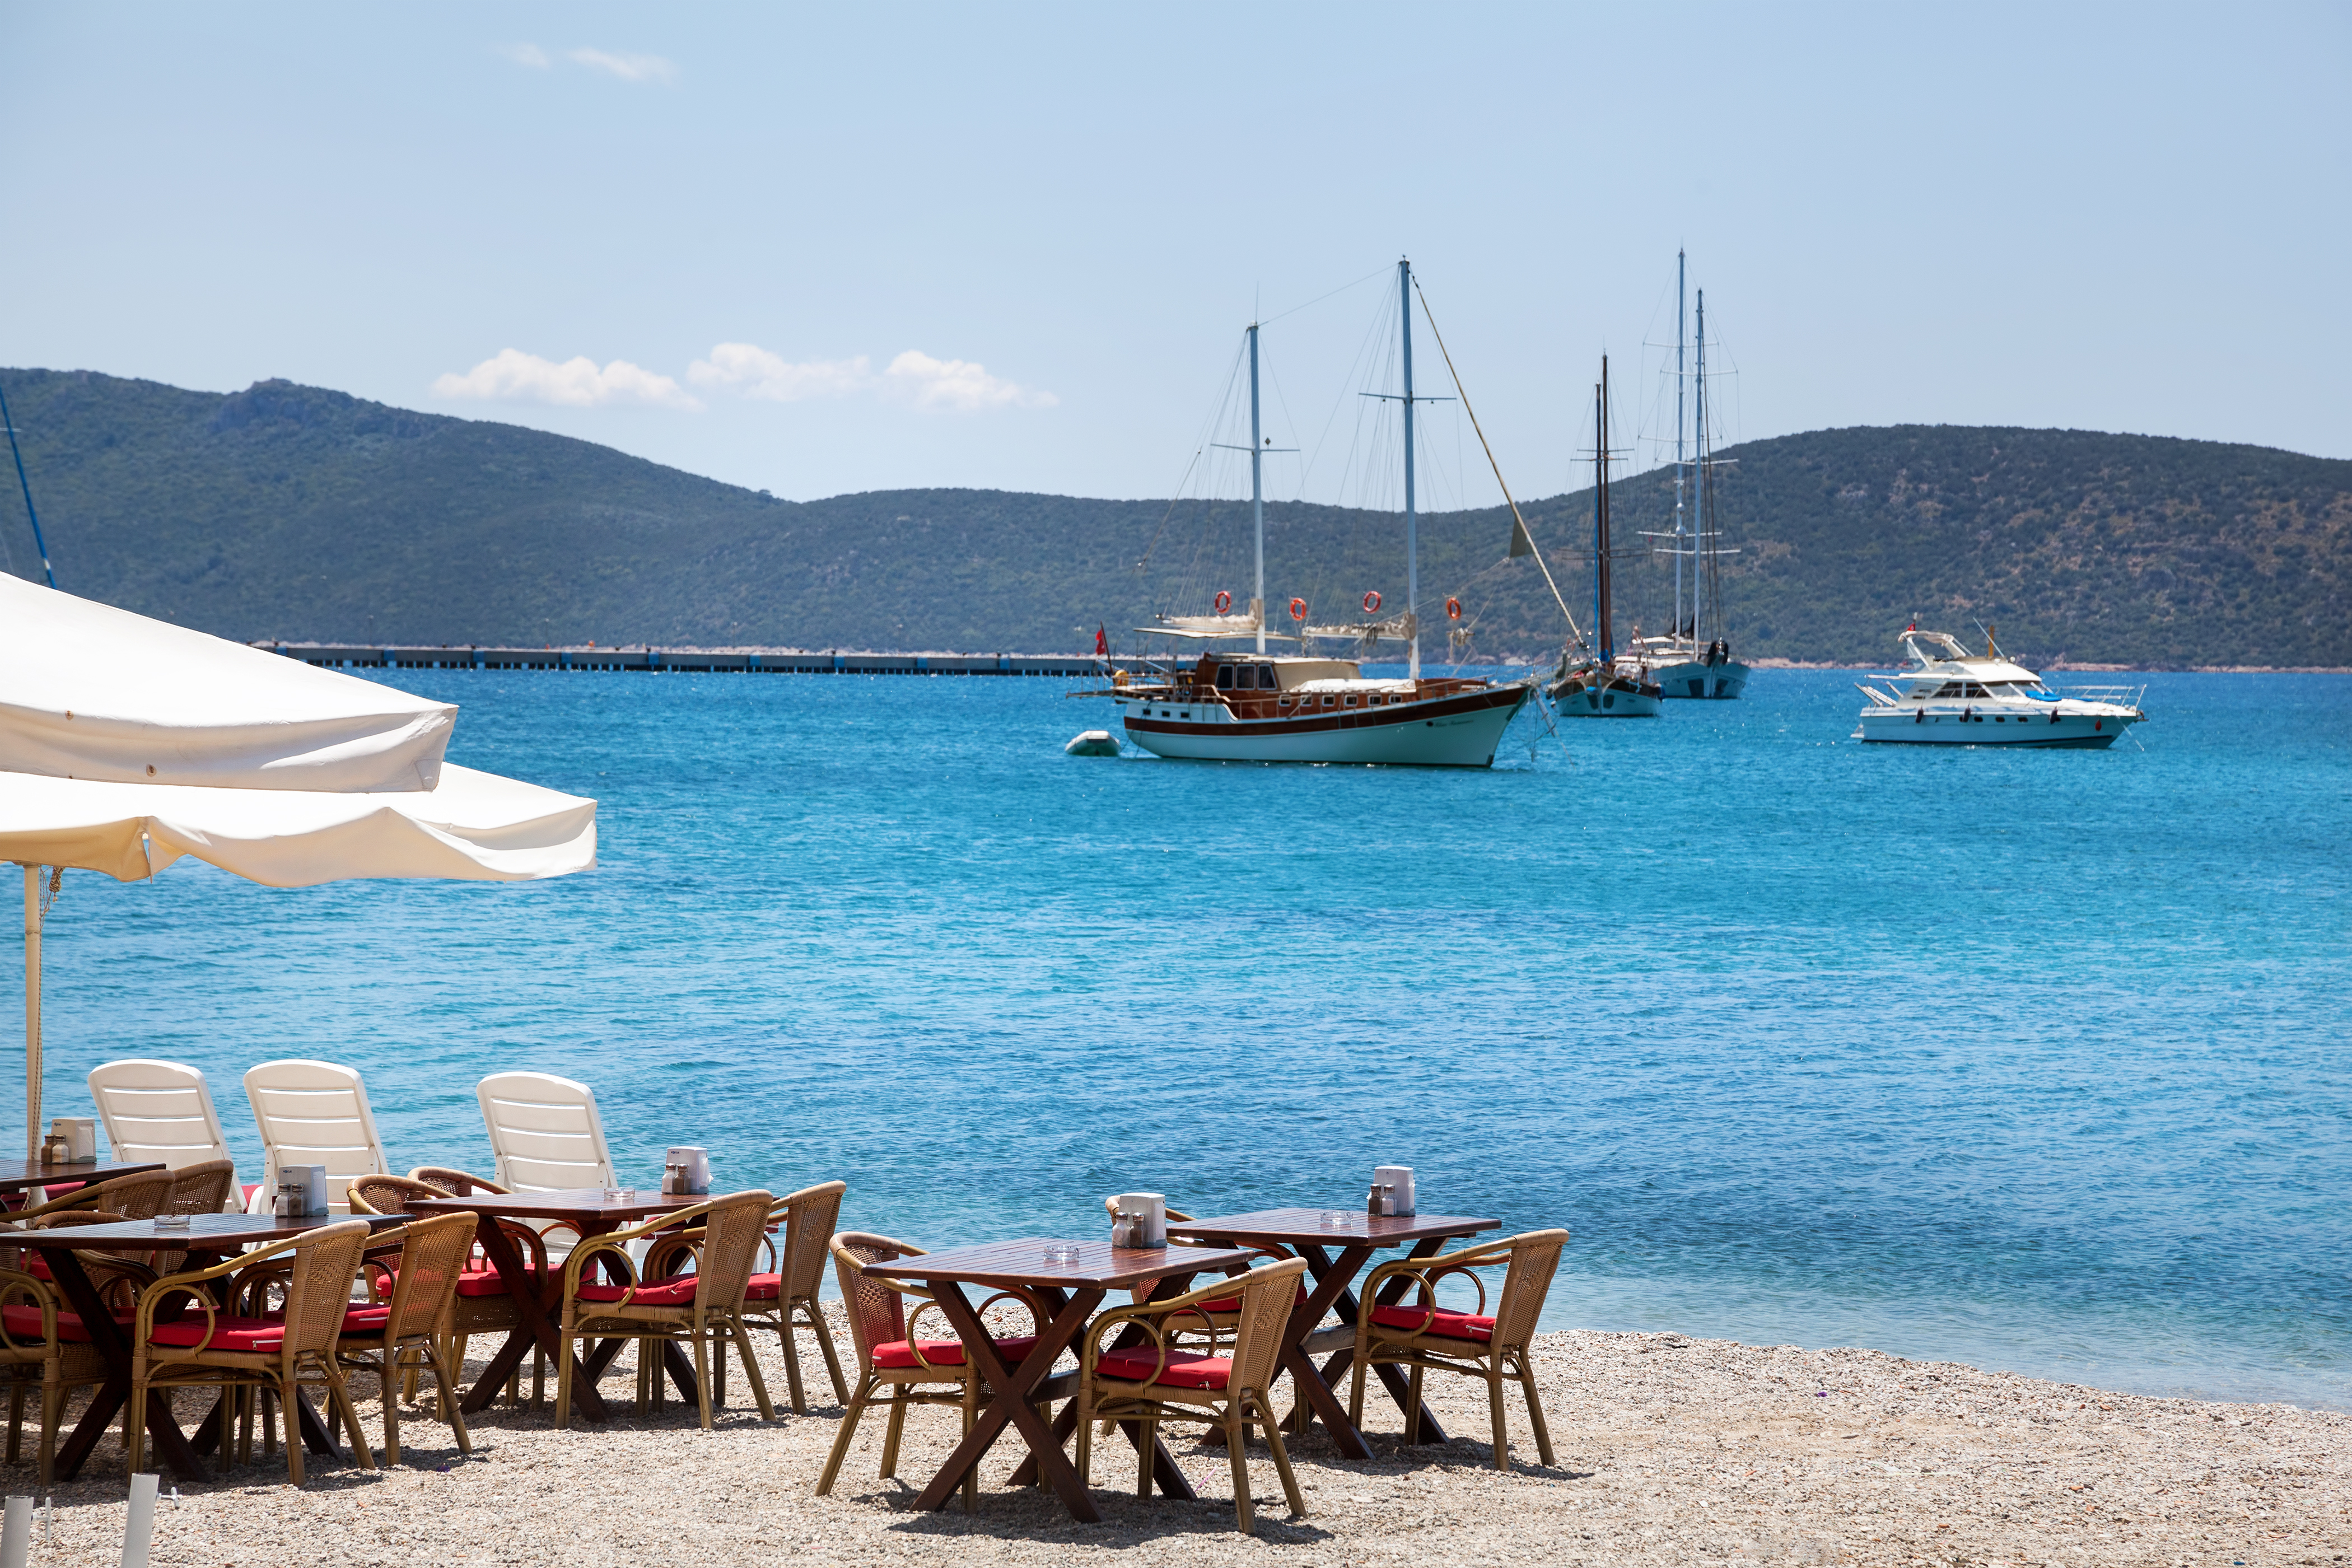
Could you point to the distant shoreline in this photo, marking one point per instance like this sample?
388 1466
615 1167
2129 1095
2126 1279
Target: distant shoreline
783 650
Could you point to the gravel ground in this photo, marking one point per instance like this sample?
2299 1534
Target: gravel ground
1671 1450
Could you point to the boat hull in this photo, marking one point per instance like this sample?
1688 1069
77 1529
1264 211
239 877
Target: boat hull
1461 730
1584 695
2045 731
1693 677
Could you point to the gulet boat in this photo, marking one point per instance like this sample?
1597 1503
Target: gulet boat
1265 708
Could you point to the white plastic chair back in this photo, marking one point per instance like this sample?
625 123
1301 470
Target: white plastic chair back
158 1111
545 1132
314 1113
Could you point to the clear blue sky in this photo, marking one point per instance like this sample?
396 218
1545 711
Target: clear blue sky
1013 247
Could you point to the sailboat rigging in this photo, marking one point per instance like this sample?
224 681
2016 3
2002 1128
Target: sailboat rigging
1592 682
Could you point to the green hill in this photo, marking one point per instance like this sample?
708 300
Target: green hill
293 512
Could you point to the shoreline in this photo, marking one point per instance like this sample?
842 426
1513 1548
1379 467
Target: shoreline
1668 1450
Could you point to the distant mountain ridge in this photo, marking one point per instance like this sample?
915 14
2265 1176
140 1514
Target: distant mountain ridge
305 514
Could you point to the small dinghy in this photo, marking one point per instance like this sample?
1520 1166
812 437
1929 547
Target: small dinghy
1093 743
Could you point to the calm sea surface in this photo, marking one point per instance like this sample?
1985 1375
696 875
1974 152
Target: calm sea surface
2035 1061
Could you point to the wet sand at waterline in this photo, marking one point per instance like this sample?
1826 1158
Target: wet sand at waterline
1670 1450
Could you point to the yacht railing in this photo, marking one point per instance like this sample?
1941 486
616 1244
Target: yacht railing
2121 695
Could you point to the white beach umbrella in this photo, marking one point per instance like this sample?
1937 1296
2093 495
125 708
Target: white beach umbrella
126 743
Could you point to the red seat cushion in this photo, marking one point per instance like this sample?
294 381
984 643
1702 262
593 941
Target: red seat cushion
483 1281
764 1288
259 1335
1233 1303
370 1320
1440 1321
677 1292
1184 1370
947 1352
37 1266
24 1325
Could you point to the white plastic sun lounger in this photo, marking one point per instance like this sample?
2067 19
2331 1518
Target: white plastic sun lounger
545 1132
314 1113
158 1110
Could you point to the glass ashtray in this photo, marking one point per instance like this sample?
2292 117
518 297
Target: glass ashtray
178 1221
1335 1220
1062 1255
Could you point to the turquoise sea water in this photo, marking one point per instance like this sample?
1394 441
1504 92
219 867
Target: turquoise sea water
2031 1060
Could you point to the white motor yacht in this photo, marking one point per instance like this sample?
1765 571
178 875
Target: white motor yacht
1951 697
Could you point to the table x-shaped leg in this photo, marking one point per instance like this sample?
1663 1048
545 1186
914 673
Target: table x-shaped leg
1391 1378
1166 1474
108 1339
537 1328
1010 1403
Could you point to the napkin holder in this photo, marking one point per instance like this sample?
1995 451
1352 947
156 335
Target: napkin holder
79 1134
1399 1179
696 1160
1153 1210
301 1191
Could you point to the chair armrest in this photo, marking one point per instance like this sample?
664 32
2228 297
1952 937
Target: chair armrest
187 1284
617 1242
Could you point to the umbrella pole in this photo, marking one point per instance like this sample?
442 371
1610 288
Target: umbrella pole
32 1012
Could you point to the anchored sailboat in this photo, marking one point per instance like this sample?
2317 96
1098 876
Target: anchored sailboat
1593 682
1256 707
1694 659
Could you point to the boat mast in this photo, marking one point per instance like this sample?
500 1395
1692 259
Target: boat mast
1681 318
1257 493
1603 622
1699 557
1412 523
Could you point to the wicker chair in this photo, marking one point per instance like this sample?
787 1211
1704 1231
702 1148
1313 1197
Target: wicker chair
202 1188
704 1307
482 1305
1160 1381
220 1350
1425 1337
409 1330
888 1356
786 1300
141 1196
42 1338
454 1183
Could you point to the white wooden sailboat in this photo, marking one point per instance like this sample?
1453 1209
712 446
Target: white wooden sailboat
1256 706
1694 659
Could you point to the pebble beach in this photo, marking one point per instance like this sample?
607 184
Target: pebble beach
1670 1449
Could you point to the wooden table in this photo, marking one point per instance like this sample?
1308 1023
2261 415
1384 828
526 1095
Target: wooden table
541 1301
16 1175
1301 1233
1070 1293
208 1234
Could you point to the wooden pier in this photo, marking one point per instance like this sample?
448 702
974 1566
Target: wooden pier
682 660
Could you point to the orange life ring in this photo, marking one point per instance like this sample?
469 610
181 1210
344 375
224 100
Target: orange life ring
1372 603
1224 601
1452 609
1297 609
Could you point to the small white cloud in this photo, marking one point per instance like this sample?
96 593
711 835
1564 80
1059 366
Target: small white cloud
514 376
756 373
529 54
964 384
628 68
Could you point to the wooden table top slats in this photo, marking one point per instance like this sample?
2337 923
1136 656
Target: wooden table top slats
17 1174
205 1233
1296 1227
1099 1265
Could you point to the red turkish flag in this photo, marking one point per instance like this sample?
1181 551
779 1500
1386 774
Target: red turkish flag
1102 642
